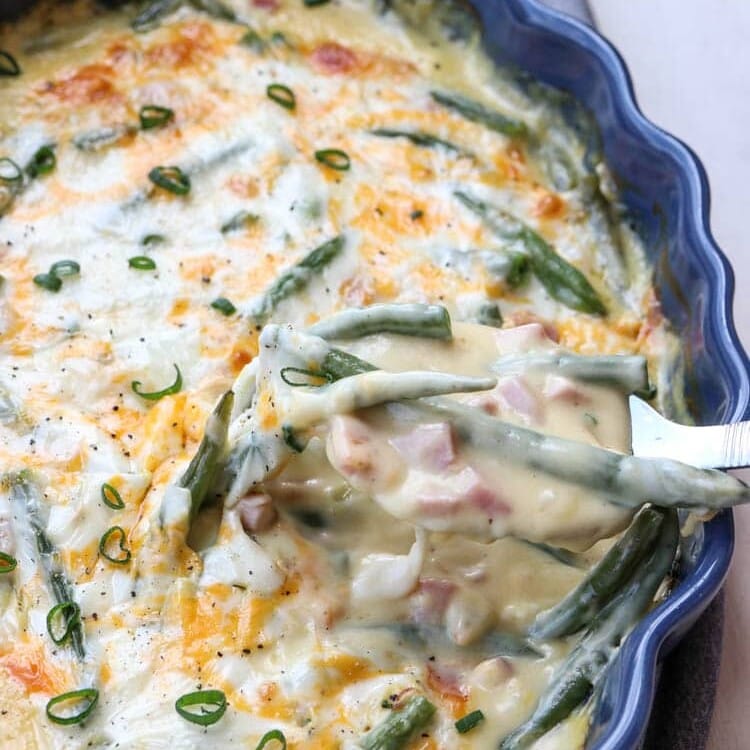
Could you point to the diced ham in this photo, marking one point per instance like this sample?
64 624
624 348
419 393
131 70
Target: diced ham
448 682
257 513
353 451
521 320
559 388
332 58
431 599
429 446
515 395
465 491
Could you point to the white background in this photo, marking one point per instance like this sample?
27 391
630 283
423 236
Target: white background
690 62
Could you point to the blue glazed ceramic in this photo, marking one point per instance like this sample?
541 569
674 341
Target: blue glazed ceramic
665 187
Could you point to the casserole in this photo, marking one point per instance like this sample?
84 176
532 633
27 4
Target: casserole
178 183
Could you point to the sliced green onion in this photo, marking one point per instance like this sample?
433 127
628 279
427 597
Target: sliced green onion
69 614
334 158
240 220
48 281
10 172
156 395
8 64
8 563
97 140
254 41
314 3
274 734
63 268
87 696
467 723
141 263
224 306
111 497
153 239
282 95
202 698
172 179
152 116
115 534
291 439
311 375
43 162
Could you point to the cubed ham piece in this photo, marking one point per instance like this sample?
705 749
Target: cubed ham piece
257 513
354 451
332 58
429 446
516 396
431 599
461 492
559 388
523 338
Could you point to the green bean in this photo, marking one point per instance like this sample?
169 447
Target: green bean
477 112
215 9
562 281
201 472
152 13
378 387
423 321
518 270
623 480
489 314
26 496
556 553
298 277
627 372
603 582
577 677
419 138
395 732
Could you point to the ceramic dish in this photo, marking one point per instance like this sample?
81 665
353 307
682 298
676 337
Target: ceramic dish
665 187
666 192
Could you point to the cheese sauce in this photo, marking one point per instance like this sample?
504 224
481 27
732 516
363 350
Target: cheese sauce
388 557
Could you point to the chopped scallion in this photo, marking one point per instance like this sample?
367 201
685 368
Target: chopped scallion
224 306
8 563
241 220
156 395
282 95
10 172
334 158
467 723
312 378
202 698
172 179
43 162
153 239
152 116
64 268
314 3
111 497
141 263
64 614
48 281
114 534
8 64
88 697
270 736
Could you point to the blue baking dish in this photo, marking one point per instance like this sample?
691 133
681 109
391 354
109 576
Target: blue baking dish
664 187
